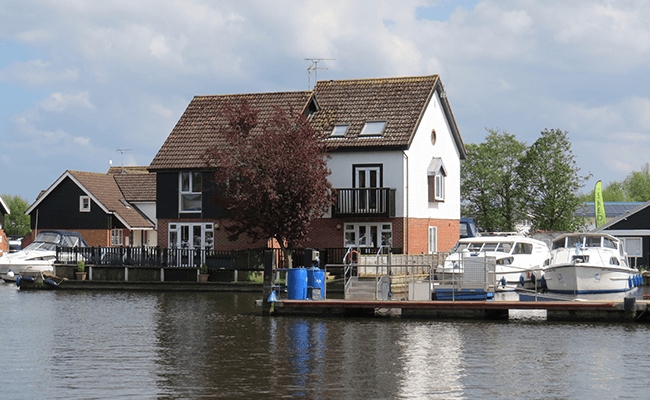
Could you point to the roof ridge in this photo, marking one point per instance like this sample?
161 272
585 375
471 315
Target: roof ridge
253 94
398 78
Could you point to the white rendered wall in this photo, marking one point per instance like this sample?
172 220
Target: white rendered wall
341 164
420 154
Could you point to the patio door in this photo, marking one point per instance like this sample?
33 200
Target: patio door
189 242
369 178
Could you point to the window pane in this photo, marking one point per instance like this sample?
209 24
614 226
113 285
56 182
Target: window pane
196 182
373 128
191 202
185 181
350 239
339 130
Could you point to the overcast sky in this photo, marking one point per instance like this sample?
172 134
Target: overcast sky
81 79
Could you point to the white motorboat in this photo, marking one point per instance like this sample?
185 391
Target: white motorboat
39 255
519 259
584 263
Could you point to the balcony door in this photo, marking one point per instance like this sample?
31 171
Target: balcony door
368 178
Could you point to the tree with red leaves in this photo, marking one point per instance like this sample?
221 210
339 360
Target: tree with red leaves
272 176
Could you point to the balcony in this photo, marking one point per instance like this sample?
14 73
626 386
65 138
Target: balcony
365 202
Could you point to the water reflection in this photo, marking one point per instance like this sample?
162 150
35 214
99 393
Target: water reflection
432 367
75 345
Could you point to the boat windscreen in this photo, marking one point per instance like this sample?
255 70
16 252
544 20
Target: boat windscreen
69 241
574 241
607 242
593 241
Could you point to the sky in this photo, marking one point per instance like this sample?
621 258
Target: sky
87 83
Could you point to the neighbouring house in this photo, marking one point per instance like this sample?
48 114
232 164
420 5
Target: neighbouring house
633 228
396 153
4 241
612 210
108 209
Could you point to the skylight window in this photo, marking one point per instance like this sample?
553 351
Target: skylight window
339 130
373 128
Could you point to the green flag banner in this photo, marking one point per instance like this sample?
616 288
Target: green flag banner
598 204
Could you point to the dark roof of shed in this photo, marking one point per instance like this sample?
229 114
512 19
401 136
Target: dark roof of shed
612 209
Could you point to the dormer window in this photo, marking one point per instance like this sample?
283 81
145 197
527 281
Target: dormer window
373 128
84 203
436 174
339 130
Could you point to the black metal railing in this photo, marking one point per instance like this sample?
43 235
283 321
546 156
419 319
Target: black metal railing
369 202
242 260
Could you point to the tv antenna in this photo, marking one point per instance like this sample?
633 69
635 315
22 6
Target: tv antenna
313 69
121 151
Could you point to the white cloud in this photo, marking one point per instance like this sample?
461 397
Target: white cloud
514 64
36 73
58 102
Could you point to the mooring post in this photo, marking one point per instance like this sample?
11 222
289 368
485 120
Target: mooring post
629 307
269 262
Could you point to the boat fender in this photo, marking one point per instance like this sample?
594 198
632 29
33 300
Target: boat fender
18 281
629 282
521 279
639 280
542 282
28 279
533 278
503 282
50 282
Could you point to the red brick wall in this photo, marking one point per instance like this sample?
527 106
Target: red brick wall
4 242
328 233
418 234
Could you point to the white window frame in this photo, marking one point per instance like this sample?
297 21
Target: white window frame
117 237
354 230
83 207
190 191
439 187
433 240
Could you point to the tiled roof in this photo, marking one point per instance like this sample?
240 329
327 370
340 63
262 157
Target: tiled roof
105 189
137 187
139 169
398 101
202 122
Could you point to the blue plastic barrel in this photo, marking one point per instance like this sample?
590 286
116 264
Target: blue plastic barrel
297 284
315 280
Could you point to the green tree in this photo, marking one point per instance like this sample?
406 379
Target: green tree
488 183
17 222
637 185
612 192
549 182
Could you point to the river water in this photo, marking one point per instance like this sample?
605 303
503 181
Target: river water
146 345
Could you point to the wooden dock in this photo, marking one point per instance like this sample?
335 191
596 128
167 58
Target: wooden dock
630 310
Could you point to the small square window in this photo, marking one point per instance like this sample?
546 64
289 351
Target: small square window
373 128
339 130
84 203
